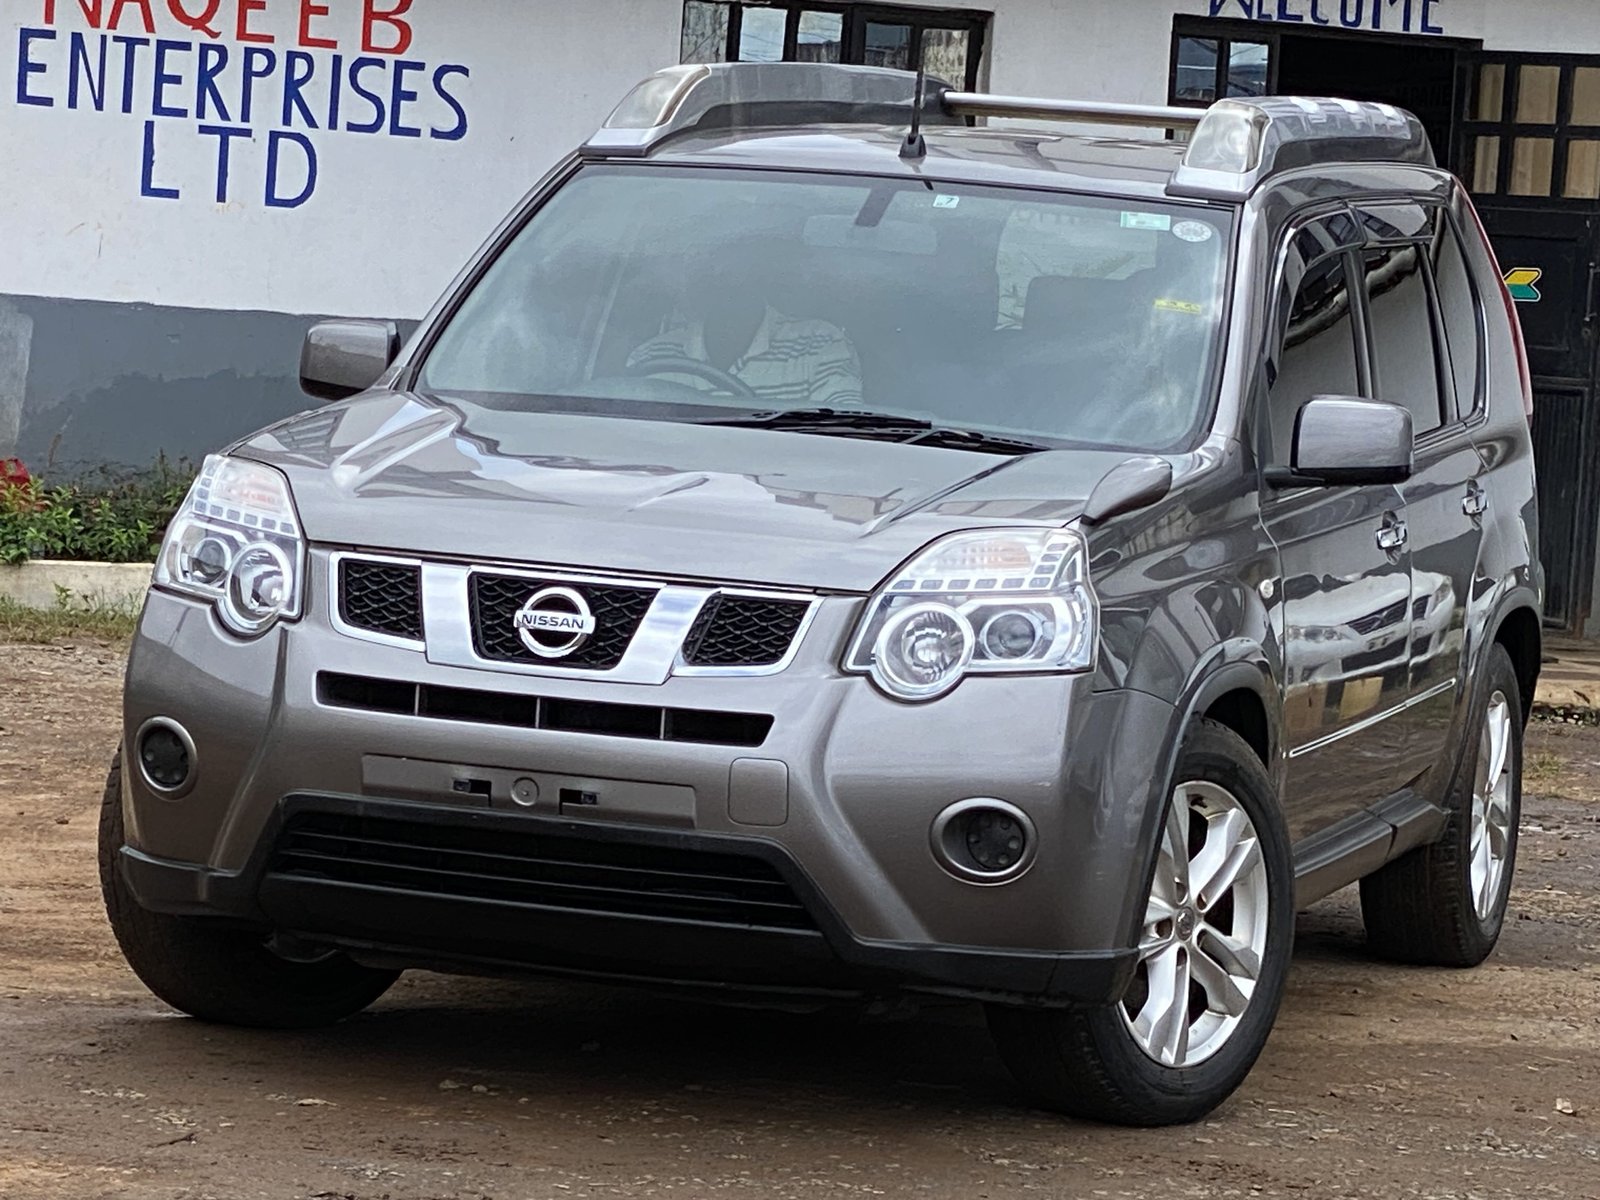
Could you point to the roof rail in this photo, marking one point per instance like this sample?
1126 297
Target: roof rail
1239 144
1235 146
1089 112
727 95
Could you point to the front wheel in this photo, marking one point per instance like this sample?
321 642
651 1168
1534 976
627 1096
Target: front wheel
1214 953
215 971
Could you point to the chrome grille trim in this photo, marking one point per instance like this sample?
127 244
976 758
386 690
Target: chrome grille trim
654 655
336 562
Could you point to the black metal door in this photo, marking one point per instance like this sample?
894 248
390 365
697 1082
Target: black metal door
1530 151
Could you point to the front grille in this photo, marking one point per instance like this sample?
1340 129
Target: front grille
549 870
402 699
743 631
617 612
1390 616
381 597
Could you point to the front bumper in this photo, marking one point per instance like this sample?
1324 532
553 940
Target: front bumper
404 915
838 798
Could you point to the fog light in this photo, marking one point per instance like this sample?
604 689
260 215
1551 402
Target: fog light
984 841
166 756
994 840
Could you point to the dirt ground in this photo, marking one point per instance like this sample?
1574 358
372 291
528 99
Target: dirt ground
1379 1080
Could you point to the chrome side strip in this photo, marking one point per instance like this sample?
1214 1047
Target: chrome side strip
1368 722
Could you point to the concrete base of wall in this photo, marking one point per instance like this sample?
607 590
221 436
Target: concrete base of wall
82 585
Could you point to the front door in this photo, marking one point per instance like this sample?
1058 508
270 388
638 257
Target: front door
1345 567
1530 152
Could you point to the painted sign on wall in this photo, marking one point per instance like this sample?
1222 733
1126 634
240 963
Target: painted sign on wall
1376 16
217 73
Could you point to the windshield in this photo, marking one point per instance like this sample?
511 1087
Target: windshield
684 294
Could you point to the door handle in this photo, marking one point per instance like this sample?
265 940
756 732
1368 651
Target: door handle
1392 534
1476 502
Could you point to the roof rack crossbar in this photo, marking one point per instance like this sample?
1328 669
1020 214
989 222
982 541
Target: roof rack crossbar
1092 112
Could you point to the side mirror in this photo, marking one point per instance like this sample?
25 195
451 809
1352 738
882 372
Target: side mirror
1348 440
341 358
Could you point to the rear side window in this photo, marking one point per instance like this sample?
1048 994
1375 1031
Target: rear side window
1404 357
1459 310
1318 357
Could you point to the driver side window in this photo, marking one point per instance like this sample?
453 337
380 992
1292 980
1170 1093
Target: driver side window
1318 349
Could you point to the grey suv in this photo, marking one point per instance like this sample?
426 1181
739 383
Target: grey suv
825 545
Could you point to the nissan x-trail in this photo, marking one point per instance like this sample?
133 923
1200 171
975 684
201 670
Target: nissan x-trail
844 537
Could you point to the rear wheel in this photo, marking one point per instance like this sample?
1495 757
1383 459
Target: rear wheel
1443 904
1213 956
216 971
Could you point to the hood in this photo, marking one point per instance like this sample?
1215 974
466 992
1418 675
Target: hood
446 477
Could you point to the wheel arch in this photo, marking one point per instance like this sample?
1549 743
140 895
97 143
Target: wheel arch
1236 688
1521 632
1235 680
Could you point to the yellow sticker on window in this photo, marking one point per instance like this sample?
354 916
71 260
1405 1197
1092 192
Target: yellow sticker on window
1183 306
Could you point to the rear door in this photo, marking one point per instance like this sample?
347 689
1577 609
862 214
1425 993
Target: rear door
1346 577
1411 256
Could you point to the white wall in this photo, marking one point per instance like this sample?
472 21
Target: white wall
83 216
391 217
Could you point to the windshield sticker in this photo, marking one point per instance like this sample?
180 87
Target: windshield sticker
1183 306
943 201
1142 220
1192 231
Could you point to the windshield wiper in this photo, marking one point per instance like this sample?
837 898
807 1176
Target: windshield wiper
823 419
976 439
880 426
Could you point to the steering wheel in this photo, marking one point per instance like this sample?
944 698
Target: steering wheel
692 366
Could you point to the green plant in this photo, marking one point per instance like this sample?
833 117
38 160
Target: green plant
105 517
20 624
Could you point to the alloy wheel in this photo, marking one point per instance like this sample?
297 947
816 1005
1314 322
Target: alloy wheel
1489 850
1205 929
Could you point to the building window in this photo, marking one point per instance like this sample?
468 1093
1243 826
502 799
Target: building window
1532 129
1207 69
945 42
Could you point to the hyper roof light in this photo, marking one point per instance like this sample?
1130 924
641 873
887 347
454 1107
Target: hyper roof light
1227 139
1239 143
724 95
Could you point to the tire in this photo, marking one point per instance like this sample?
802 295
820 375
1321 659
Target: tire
216 971
1092 1063
1425 907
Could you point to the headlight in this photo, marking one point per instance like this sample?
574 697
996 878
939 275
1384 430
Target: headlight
236 542
1013 600
1320 633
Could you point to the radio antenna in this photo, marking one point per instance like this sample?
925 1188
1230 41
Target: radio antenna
915 146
